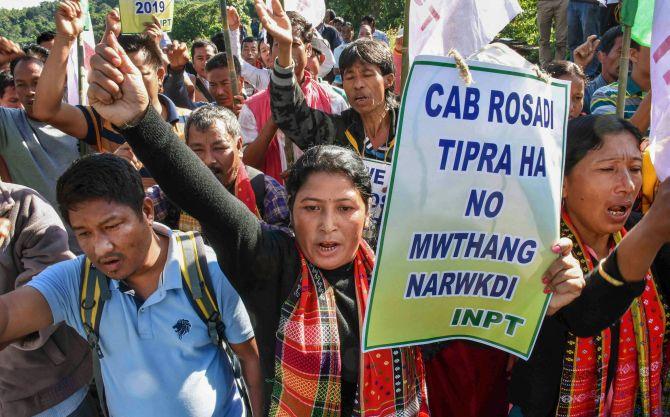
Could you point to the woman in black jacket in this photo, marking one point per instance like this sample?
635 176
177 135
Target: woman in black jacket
601 355
306 294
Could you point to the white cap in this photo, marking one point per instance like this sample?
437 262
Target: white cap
322 45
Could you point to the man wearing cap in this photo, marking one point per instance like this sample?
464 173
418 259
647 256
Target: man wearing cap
321 62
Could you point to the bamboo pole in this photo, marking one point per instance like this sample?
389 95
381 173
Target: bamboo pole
405 47
81 55
288 144
623 71
229 50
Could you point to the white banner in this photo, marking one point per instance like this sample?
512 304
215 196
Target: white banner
312 10
660 85
436 26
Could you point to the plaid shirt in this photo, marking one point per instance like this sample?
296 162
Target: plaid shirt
275 207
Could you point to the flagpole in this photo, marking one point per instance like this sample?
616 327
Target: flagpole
81 69
288 144
229 51
623 71
628 12
405 47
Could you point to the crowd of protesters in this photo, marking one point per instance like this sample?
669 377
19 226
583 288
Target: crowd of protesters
111 307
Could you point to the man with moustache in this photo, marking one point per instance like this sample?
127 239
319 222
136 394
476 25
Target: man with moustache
156 355
213 133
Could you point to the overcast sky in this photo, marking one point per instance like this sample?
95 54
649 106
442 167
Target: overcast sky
18 4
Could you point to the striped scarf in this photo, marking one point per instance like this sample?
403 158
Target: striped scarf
637 384
307 363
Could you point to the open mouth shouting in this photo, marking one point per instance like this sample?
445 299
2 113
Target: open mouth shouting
328 247
619 212
110 265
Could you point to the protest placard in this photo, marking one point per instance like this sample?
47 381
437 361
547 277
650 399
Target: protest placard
134 13
472 210
380 175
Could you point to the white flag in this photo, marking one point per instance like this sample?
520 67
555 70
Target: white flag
312 10
436 26
73 67
660 85
73 59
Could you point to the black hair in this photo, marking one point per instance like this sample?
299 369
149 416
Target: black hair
32 52
206 116
201 43
301 24
331 159
560 68
142 43
45 36
250 39
586 134
220 60
634 45
338 20
6 80
218 40
329 15
609 38
368 19
372 52
99 176
25 58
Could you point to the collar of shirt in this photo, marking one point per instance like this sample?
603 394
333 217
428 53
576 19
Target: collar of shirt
170 108
171 276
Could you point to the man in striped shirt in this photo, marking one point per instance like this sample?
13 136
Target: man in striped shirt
638 96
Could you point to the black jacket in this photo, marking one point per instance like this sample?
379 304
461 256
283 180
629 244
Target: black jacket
536 382
307 127
262 264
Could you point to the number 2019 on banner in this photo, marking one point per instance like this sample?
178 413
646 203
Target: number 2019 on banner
149 7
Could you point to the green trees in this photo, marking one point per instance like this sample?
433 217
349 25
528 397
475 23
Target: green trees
201 18
24 25
388 14
193 19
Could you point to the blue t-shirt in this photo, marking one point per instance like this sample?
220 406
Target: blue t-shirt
158 357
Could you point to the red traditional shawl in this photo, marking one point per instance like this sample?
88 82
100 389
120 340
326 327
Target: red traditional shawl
307 359
638 379
243 191
316 97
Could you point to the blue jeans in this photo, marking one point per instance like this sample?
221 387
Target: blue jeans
583 21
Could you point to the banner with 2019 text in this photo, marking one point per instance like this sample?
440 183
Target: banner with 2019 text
472 210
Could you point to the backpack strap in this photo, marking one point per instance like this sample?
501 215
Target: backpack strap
197 283
94 293
195 277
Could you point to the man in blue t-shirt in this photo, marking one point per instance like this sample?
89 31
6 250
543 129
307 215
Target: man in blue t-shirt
157 355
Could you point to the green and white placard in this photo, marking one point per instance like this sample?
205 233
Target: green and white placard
472 210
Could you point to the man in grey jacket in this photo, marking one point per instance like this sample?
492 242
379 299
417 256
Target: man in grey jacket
48 372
